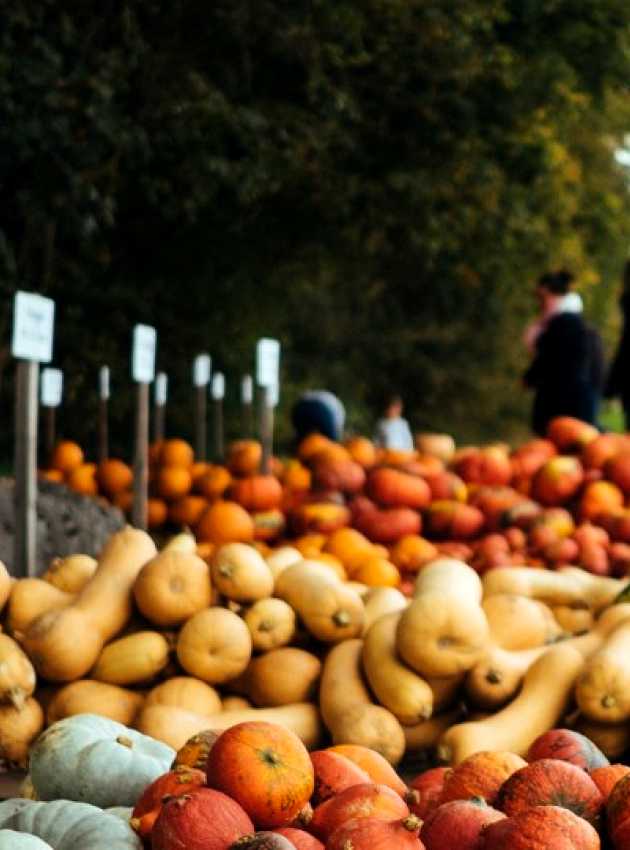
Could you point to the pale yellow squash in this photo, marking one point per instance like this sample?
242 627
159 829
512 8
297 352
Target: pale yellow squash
283 676
215 645
379 601
271 623
518 622
132 660
87 696
29 598
17 675
240 573
186 692
71 573
449 575
172 587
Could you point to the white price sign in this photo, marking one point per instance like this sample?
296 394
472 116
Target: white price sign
218 386
161 388
51 387
33 323
103 382
201 370
247 389
143 356
268 367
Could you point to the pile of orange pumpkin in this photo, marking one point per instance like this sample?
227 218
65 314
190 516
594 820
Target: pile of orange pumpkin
565 795
548 502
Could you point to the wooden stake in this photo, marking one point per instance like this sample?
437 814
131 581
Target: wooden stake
103 429
139 514
26 408
49 432
266 428
219 448
201 423
159 419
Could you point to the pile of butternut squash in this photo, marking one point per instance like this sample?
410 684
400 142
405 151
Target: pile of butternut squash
173 644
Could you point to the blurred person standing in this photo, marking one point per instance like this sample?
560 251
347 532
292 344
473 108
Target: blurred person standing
567 367
393 431
618 380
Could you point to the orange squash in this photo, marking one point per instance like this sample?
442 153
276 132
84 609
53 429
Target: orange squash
480 775
257 492
82 479
412 552
173 482
66 456
362 451
280 777
114 476
187 511
393 488
244 457
157 512
225 522
172 587
176 452
213 483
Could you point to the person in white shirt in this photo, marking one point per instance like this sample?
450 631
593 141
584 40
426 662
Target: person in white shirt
392 431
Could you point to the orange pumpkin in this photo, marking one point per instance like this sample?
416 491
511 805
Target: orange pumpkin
124 501
154 452
176 452
374 764
385 525
225 522
257 492
412 552
459 825
213 483
480 775
426 791
199 468
607 777
343 475
362 451
374 834
279 773
66 456
173 482
376 572
157 512
312 445
187 510
309 545
600 497
567 745
358 801
195 751
296 476
394 488
540 828
176 782
323 517
453 520
335 773
114 476
244 457
569 434
350 546
268 525
83 479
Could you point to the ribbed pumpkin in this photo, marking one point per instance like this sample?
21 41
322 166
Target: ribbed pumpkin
279 773
180 780
257 492
66 456
551 782
114 476
363 800
301 840
195 751
606 778
375 834
313 445
426 791
225 522
541 828
567 745
480 775
458 825
202 819
176 452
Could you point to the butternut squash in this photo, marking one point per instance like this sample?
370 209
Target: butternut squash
519 622
281 558
72 573
215 645
133 659
186 692
172 587
408 696
498 676
234 703
445 692
567 586
442 634
271 623
359 588
18 730
17 676
182 542
6 583
174 726
283 676
329 610
602 691
380 601
29 598
547 688
573 621
241 573
347 708
87 696
64 644
425 735
612 739
449 575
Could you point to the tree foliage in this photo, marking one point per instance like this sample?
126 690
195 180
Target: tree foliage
378 184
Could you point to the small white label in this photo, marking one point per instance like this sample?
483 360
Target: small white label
161 388
33 323
267 362
201 370
51 387
103 382
143 356
247 389
218 386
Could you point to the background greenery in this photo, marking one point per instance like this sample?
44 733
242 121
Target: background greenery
378 184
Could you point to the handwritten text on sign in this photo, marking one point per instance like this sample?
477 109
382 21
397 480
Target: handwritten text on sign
143 357
33 320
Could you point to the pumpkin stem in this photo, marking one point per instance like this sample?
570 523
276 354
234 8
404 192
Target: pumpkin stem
494 677
609 701
265 626
134 823
124 741
341 618
225 570
444 752
16 697
348 845
412 823
412 797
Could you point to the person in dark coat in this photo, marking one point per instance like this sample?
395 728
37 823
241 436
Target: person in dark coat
618 381
318 412
566 369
